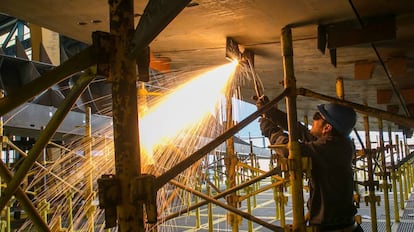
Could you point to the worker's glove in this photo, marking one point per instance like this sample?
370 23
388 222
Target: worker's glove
272 112
268 127
261 101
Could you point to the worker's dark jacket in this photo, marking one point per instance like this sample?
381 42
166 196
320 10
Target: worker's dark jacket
331 185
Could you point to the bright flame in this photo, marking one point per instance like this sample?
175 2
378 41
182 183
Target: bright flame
185 107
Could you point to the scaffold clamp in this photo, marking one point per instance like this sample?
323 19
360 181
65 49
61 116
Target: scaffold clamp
109 198
143 191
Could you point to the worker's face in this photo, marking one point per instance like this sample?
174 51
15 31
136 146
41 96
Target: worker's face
320 126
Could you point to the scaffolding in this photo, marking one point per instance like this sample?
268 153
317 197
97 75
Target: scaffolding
128 197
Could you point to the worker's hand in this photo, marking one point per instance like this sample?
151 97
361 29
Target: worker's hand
261 101
267 127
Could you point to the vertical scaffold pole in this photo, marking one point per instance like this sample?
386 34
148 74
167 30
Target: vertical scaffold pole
69 197
7 208
399 171
340 88
371 195
393 178
340 93
231 158
253 173
89 194
125 113
295 165
384 177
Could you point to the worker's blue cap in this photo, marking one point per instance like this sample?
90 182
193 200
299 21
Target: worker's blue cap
342 118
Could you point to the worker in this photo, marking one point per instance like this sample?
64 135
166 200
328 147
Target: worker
330 204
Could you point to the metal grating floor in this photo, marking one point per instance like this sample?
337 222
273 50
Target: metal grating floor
406 227
410 204
367 226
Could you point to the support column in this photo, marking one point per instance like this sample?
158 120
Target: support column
371 198
400 180
384 177
295 164
125 113
393 178
231 158
89 194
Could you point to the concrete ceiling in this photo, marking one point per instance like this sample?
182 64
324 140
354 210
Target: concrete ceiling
196 38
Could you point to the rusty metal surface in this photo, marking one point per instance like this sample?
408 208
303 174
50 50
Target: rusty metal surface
125 115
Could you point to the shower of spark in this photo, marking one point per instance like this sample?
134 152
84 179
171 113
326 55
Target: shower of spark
186 106
182 116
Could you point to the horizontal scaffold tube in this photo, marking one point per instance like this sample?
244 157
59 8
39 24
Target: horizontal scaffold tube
398 119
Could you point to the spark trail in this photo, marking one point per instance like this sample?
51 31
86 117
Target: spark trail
172 126
184 109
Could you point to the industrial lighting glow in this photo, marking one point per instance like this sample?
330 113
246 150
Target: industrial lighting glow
185 107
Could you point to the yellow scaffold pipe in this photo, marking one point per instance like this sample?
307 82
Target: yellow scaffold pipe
393 177
363 109
385 185
294 158
371 198
89 193
231 162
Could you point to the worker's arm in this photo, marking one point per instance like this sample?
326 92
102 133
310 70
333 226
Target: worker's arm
275 115
279 118
275 134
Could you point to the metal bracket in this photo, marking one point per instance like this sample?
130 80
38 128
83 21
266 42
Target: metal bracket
372 200
307 166
347 33
233 52
109 198
232 49
374 183
102 43
143 191
357 199
143 63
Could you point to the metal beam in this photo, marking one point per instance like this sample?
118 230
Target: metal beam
157 15
347 33
79 62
